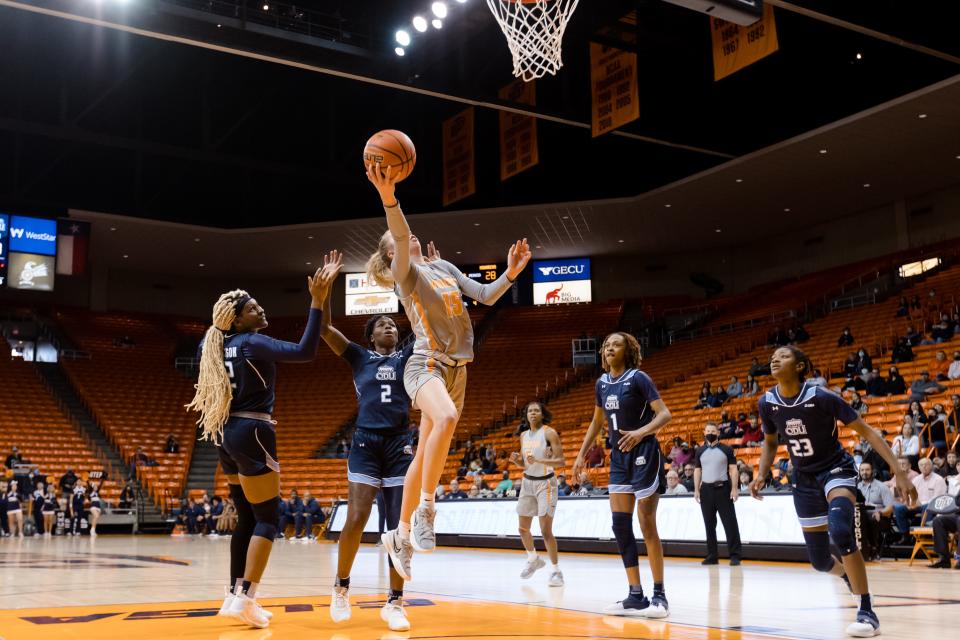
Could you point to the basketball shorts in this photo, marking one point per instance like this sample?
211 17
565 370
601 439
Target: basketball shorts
379 458
638 471
538 498
420 369
249 447
811 489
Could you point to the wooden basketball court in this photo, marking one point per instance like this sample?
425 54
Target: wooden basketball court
170 587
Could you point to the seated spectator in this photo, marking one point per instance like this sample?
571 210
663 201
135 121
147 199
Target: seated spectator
216 512
674 488
799 334
584 487
935 432
474 492
706 398
940 467
440 493
881 470
879 501
951 463
563 489
594 456
939 367
734 389
953 413
719 397
733 428
929 485
475 467
343 448
172 445
876 385
817 380
944 525
846 338
189 516
854 383
923 386
953 371
896 386
953 480
140 458
851 365
864 361
902 351
758 370
912 337
943 330
681 453
915 304
490 462
907 444
455 492
751 387
687 479
14 458
506 484
470 451
778 338
752 434
858 405
312 514
291 514
127 495
903 307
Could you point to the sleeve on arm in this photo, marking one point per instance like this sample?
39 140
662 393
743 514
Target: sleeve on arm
354 354
696 458
837 407
598 393
647 386
731 458
764 415
483 293
261 347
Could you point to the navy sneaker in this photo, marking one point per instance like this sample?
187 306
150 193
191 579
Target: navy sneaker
632 606
866 626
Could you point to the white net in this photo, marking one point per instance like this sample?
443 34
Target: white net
534 31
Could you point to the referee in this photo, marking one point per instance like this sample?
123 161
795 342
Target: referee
715 488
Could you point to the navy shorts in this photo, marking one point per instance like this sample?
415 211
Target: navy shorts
379 458
638 471
811 489
249 447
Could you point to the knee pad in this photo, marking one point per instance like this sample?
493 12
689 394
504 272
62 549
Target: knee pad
245 518
267 514
818 550
840 525
626 540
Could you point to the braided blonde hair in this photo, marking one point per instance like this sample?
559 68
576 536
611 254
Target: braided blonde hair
214 393
378 266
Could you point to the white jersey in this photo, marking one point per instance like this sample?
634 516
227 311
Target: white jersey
535 442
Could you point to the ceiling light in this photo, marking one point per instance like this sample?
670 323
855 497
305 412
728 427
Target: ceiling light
420 23
266 7
201 265
718 229
400 51
739 179
196 239
866 185
566 217
859 56
437 23
538 247
125 256
439 9
461 1
219 25
922 116
476 224
822 151
309 263
668 205
309 237
114 228
403 37
459 252
620 241
786 210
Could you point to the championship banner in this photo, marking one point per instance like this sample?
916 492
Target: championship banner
518 134
613 76
736 47
458 162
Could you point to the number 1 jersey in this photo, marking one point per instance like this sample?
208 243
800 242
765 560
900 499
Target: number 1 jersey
807 422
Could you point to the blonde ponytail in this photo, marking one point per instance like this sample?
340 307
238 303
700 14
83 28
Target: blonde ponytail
213 391
378 266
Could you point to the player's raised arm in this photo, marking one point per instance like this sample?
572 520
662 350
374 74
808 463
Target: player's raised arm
518 256
331 335
385 182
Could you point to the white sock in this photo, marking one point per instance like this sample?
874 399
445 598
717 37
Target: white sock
236 587
556 566
532 555
403 530
426 499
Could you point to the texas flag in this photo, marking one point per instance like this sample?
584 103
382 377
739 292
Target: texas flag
73 242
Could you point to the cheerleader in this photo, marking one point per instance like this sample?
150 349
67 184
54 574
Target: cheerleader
94 508
49 510
77 512
14 510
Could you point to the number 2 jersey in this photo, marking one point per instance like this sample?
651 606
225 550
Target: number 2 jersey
807 422
626 402
382 400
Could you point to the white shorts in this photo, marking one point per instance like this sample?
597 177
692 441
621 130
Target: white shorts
538 497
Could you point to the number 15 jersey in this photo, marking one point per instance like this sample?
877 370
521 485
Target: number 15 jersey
807 422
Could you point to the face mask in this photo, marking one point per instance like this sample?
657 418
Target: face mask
711 437
956 357
862 354
858 459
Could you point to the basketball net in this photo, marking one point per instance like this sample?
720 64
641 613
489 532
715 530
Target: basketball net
534 31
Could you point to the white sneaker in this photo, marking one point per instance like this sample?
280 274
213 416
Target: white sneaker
556 579
227 602
531 567
395 617
340 604
245 609
422 536
400 552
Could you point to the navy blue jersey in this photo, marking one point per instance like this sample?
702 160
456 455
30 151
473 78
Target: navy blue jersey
626 401
808 424
381 396
250 359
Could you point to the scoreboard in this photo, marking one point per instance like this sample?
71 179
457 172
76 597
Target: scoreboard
484 273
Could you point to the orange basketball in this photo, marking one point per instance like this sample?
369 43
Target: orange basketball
391 148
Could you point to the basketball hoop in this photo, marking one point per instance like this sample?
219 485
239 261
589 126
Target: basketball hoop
534 31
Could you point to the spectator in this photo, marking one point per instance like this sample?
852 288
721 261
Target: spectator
127 495
907 444
858 405
935 433
751 387
202 514
731 428
923 386
817 380
881 470
584 487
943 330
912 337
216 512
14 458
951 464
778 338
680 454
915 303
953 371
490 462
929 485
706 398
343 448
312 513
734 389
440 493
455 492
953 480
916 415
896 386
940 467
939 367
943 525
469 451
851 366
474 492
864 361
746 477
879 501
140 458
506 484
902 351
172 445
752 434
563 489
295 512
475 467
903 307
800 333
846 338
876 385
687 479
674 488
758 370
595 456
854 383
76 506
953 413
720 397
67 482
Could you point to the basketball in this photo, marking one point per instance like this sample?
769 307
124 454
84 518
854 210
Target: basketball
391 148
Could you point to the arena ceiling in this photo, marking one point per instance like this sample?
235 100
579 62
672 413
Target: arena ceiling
106 120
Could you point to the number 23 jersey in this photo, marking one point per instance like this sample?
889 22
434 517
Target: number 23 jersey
807 422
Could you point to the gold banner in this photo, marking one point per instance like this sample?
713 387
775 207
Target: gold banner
613 76
736 47
518 134
458 157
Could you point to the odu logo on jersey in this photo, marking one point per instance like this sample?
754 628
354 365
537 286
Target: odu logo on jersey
640 461
612 403
386 373
795 427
